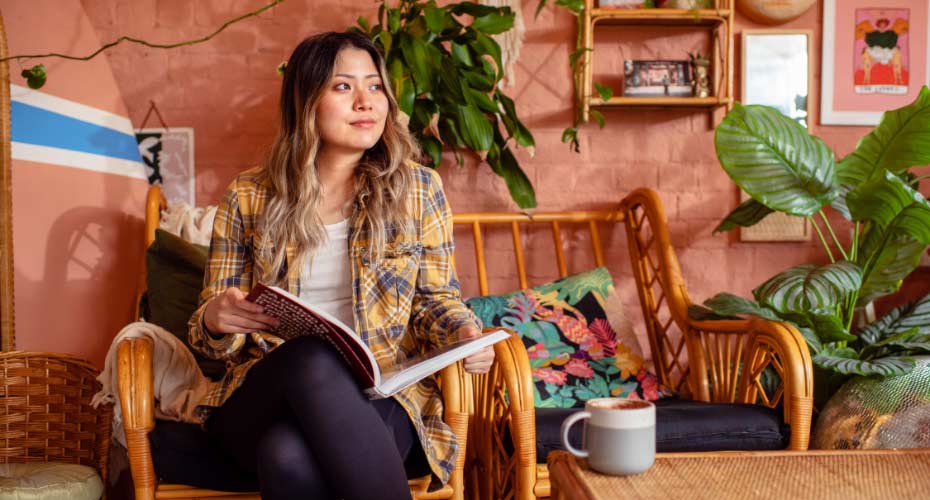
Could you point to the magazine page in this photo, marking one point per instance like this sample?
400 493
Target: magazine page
419 367
298 318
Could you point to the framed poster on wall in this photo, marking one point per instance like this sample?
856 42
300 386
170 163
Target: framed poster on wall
169 160
875 58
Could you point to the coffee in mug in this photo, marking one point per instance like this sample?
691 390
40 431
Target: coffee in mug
619 435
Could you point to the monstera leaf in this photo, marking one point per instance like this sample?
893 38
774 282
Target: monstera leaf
775 160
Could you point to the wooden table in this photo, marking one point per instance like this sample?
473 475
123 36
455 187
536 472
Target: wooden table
845 475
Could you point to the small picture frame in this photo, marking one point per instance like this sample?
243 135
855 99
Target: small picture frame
168 155
667 78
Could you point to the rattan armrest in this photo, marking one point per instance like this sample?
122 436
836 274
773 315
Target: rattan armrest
504 405
772 344
134 361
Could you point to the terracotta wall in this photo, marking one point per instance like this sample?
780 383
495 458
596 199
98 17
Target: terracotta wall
78 188
227 90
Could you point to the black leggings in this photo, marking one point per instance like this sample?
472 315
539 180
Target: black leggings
300 422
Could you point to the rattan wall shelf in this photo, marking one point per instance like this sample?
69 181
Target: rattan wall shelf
717 21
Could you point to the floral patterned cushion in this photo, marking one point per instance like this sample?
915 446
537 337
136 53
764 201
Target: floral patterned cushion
579 342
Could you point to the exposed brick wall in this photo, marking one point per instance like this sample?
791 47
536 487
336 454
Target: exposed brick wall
227 90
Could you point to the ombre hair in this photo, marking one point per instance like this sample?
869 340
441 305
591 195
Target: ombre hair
383 177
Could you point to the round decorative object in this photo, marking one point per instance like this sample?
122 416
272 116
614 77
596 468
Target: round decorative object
873 412
773 11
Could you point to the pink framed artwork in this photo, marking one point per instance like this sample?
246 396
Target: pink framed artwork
876 57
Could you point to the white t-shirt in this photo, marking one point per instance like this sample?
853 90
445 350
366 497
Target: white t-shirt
326 280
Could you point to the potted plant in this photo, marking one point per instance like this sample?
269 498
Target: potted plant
785 169
445 75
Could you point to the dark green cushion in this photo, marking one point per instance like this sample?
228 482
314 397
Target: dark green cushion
174 271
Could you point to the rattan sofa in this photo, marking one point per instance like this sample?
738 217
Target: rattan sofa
719 361
714 361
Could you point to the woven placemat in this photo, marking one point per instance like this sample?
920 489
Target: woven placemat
842 476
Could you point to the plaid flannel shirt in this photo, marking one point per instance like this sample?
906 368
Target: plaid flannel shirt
410 297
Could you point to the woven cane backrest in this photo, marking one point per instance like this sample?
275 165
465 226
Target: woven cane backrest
46 412
662 292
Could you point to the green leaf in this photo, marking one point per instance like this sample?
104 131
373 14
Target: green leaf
539 8
747 214
473 9
900 141
461 55
485 45
576 6
35 76
481 100
808 288
893 205
598 117
575 55
504 163
415 57
494 23
829 327
604 91
845 360
478 81
898 256
386 40
363 23
775 160
913 316
476 130
435 18
393 20
570 136
432 147
405 95
512 123
727 304
701 313
812 341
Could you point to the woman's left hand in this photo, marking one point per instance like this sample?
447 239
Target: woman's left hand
479 362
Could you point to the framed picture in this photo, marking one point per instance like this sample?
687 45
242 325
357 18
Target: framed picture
169 160
776 71
656 78
875 58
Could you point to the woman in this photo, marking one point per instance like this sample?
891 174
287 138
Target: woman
340 215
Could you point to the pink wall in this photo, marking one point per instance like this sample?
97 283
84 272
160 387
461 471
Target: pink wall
76 231
227 90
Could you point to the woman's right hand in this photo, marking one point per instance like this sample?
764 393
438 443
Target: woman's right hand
229 312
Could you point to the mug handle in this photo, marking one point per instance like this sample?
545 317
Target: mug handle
566 425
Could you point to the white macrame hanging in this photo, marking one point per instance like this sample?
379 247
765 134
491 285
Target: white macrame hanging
511 40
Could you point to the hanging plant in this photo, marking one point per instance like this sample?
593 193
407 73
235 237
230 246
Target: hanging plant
445 73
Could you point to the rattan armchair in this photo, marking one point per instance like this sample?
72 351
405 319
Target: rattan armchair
135 381
45 407
717 361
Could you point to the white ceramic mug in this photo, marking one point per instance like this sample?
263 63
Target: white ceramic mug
619 435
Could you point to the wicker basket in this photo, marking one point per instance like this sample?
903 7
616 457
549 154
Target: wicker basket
45 411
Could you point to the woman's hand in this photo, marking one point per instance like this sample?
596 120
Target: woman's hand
479 362
229 312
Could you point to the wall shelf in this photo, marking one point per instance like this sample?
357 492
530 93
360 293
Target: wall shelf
718 22
677 102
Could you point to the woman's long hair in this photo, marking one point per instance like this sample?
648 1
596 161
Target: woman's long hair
383 178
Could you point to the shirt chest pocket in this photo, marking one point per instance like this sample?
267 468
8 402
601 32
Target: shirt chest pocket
395 278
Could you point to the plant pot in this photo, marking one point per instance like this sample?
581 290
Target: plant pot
875 412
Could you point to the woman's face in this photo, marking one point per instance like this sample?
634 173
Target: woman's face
353 108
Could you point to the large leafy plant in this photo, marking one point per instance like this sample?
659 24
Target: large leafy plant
445 73
785 169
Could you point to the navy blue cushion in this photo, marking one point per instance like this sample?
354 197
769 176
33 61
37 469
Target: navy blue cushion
185 454
683 425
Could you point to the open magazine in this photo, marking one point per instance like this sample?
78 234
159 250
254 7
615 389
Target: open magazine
298 317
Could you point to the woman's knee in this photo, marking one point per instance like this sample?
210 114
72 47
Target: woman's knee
309 360
283 457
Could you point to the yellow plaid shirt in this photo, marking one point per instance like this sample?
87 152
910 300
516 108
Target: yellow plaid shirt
409 298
